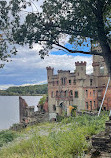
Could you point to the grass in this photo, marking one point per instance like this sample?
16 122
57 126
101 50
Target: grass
66 139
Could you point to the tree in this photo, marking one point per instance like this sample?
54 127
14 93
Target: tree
7 47
80 20
42 101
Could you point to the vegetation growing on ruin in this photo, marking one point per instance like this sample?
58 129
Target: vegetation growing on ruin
68 138
42 101
25 90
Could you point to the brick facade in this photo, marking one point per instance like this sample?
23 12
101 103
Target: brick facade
78 88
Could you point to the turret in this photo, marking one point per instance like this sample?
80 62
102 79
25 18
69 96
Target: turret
49 73
80 69
96 68
99 66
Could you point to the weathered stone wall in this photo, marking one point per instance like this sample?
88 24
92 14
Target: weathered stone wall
25 111
38 118
22 107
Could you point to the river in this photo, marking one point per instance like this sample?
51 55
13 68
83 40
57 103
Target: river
9 109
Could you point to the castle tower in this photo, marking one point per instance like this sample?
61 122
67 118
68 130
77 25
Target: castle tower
80 70
96 68
99 66
49 73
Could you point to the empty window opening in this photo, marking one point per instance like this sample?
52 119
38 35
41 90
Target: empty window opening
76 94
102 70
71 92
94 104
70 82
63 80
91 82
62 94
57 93
74 81
54 107
65 93
93 93
91 105
86 93
99 93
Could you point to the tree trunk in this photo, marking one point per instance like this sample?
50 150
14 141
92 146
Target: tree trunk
102 37
107 59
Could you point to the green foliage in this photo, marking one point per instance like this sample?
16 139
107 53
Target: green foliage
43 100
67 139
26 90
68 143
7 136
60 118
79 20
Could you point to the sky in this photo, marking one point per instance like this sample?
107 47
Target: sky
27 68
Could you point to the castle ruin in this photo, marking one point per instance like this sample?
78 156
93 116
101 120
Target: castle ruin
78 88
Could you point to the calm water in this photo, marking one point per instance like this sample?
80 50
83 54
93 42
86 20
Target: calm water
9 109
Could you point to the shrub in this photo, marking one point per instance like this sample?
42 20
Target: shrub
7 136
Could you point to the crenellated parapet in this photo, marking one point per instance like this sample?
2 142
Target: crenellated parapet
49 68
80 63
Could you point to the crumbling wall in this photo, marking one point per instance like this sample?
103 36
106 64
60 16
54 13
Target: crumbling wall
38 118
28 116
22 108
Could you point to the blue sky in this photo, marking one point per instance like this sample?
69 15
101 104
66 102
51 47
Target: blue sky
28 68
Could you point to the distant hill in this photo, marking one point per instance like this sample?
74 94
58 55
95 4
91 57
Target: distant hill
25 90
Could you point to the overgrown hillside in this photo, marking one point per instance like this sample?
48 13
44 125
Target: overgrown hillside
26 90
69 138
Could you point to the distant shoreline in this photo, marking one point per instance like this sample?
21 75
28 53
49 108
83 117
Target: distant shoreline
35 90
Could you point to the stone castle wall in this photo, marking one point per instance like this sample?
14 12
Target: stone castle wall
78 88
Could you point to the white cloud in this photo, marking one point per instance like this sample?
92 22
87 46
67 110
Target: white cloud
3 87
64 62
28 68
33 61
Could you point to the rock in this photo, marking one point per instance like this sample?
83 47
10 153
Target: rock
101 143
